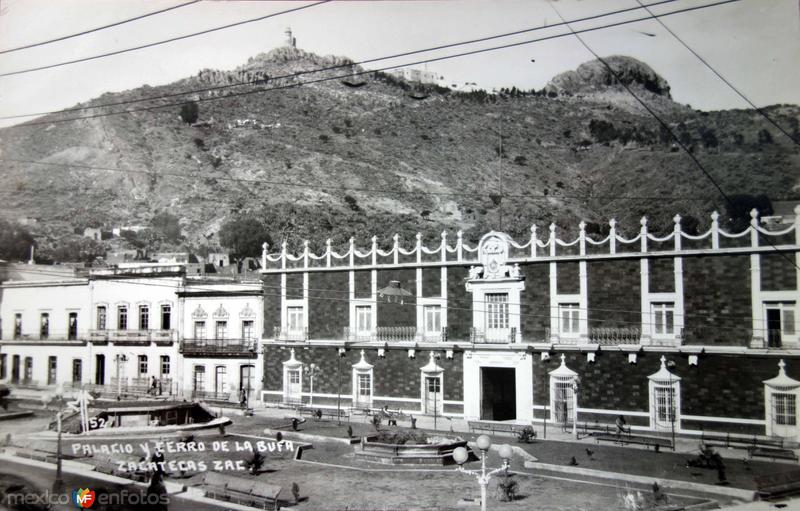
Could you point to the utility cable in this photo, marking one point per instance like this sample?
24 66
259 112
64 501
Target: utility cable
97 29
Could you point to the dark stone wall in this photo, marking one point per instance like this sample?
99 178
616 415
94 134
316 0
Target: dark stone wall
728 385
459 303
662 274
395 313
778 272
717 300
396 375
294 286
569 281
363 284
535 306
432 282
328 305
272 303
615 291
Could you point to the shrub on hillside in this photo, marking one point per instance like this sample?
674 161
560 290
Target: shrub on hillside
189 112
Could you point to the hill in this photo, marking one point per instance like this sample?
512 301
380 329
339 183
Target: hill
328 159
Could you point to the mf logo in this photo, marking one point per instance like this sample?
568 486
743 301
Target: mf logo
83 497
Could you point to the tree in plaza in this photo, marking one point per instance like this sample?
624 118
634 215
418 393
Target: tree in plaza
243 236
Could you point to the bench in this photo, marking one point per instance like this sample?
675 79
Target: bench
743 442
218 397
495 427
778 485
326 413
647 441
248 492
771 452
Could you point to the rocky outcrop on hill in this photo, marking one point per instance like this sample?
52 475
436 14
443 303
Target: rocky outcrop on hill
594 76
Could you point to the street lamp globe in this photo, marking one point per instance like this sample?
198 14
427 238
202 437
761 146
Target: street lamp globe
484 442
460 455
505 452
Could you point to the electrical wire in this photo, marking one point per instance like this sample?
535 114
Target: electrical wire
334 67
360 73
663 124
158 43
97 29
719 75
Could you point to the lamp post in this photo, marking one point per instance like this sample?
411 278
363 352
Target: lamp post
576 382
313 370
58 484
339 356
461 455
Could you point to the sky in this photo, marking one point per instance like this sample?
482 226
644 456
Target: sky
755 44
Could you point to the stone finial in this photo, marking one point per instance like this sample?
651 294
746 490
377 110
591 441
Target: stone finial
582 225
459 235
305 244
374 239
714 216
328 242
563 359
264 246
612 223
444 234
754 213
643 221
533 229
797 210
552 228
676 219
781 367
663 361
419 236
352 240
283 245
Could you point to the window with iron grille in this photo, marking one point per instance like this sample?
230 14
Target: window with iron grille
664 404
198 382
28 374
142 365
496 311
784 409
562 400
569 318
77 370
144 317
165 365
663 318
779 322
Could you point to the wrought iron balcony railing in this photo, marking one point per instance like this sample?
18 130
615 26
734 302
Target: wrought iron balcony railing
132 336
392 334
478 336
220 347
282 334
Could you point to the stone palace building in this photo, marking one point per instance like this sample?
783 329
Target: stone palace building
683 333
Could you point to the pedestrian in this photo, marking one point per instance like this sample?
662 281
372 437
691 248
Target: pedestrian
153 386
242 397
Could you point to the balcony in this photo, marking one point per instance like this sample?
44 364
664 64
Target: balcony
132 337
478 336
282 334
395 334
247 348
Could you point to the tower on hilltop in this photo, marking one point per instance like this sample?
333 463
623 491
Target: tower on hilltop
290 41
